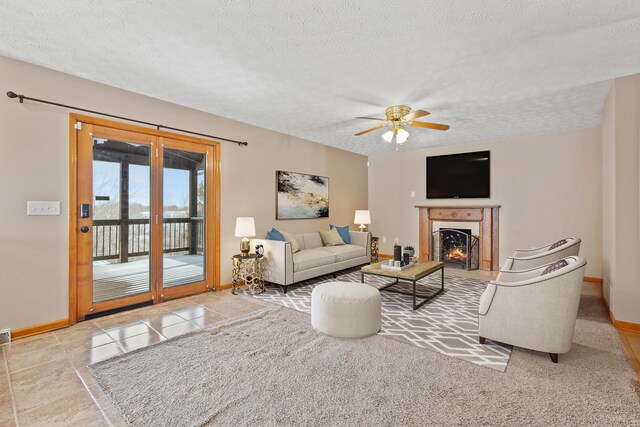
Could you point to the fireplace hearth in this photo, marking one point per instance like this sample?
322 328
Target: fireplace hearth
456 247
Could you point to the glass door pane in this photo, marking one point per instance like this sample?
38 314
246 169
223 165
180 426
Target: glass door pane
183 213
121 219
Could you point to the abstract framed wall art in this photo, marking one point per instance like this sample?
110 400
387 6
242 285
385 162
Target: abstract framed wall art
301 196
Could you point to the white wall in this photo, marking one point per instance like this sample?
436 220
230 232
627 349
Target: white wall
608 194
549 187
621 200
34 165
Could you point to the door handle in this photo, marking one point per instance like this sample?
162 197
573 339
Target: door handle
84 229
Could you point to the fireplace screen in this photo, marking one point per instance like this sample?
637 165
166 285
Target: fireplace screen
455 246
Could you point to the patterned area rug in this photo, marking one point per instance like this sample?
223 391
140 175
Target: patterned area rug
447 324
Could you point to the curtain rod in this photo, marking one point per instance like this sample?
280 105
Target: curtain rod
13 95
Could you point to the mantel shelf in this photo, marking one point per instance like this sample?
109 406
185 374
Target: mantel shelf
458 207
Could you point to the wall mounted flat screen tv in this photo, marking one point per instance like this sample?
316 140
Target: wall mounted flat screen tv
458 176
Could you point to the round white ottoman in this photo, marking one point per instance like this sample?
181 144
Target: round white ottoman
346 309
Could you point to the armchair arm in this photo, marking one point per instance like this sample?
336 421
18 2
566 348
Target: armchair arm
534 275
523 259
530 252
507 276
279 261
518 275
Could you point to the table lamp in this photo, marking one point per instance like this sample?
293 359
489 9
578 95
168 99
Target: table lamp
363 218
245 228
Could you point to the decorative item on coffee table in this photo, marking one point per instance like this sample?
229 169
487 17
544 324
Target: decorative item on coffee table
397 252
250 269
409 250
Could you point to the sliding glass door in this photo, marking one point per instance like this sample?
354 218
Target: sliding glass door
184 212
145 218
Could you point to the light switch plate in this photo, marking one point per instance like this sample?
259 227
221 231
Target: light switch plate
43 208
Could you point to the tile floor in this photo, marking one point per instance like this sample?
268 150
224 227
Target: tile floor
44 380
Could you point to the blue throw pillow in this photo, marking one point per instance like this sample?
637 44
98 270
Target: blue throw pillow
275 235
343 232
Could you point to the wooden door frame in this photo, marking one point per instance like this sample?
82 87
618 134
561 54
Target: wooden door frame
85 305
213 195
166 294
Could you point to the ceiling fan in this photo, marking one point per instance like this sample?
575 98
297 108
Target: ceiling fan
399 117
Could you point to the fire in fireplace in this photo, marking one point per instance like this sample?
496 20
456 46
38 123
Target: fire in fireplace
456 246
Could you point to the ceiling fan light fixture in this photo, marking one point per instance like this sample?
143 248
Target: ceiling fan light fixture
399 118
397 135
402 136
388 136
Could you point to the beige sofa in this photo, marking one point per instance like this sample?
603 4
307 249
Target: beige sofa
285 268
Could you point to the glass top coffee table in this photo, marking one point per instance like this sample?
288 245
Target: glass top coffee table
411 275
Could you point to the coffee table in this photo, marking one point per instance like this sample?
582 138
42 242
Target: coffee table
412 275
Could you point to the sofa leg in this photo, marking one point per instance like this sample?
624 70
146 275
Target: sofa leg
482 340
554 357
284 288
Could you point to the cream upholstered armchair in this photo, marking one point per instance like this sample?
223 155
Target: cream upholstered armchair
523 259
534 308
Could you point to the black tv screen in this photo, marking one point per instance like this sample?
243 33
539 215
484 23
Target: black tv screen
458 176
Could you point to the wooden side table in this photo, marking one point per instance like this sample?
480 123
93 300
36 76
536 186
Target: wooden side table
250 269
374 249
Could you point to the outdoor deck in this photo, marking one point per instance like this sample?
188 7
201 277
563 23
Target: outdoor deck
113 280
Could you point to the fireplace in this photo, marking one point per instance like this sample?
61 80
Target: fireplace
487 219
456 247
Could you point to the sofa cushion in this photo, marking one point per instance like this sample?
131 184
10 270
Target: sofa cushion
331 237
344 233
310 258
312 240
346 252
275 235
295 246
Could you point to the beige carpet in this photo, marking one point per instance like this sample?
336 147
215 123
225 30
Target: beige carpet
270 368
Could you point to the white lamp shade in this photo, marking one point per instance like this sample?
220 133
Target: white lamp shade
397 135
362 217
245 227
402 136
388 136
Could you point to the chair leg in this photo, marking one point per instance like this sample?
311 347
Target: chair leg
554 357
481 339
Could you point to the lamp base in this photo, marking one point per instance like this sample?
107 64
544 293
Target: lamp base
363 228
245 246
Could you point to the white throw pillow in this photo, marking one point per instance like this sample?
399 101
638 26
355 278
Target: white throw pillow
331 237
295 246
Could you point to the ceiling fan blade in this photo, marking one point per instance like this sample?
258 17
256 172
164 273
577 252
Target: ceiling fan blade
429 125
371 118
415 114
370 130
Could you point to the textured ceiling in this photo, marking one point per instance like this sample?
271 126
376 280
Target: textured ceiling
490 69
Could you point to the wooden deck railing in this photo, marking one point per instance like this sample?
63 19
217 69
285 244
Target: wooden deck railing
111 235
